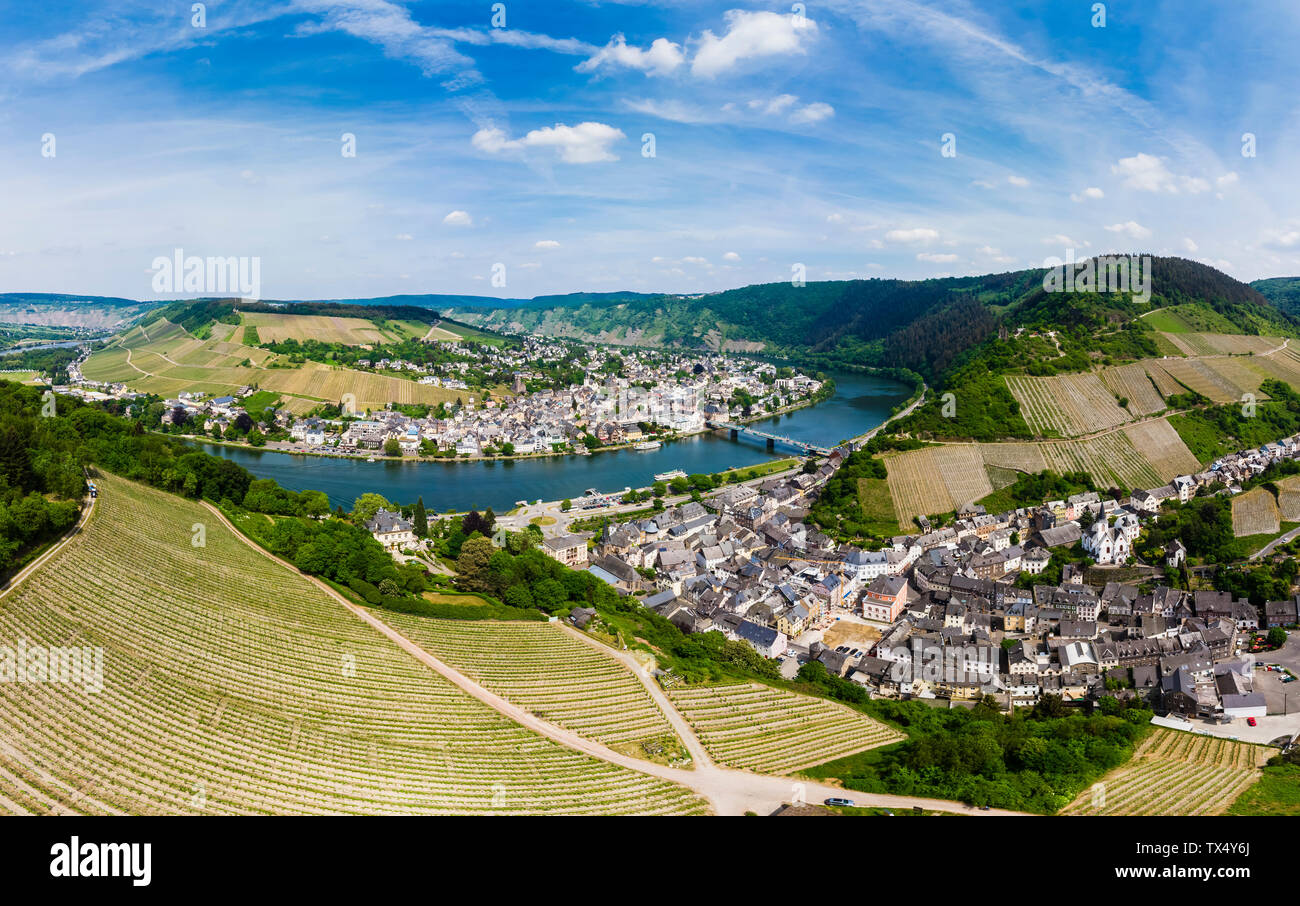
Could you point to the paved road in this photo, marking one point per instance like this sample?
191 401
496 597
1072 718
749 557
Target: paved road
1268 548
730 792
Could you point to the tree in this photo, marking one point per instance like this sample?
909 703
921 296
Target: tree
257 438
392 447
420 519
365 507
313 503
565 505
1277 636
472 564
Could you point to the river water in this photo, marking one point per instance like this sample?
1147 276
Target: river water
860 403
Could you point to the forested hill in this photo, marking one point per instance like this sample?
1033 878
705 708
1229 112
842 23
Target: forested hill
921 325
1283 292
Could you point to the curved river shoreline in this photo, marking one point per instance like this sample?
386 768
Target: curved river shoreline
861 402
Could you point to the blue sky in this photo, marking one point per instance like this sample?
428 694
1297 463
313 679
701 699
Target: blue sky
779 138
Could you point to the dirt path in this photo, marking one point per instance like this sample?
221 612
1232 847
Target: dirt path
21 576
730 792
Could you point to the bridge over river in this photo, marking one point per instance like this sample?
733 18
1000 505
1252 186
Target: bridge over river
772 439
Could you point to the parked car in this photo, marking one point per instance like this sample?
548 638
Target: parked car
840 802
1250 721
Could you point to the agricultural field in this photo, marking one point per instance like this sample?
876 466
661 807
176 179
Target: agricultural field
1111 459
1132 382
1066 404
1160 445
232 685
1175 773
558 678
1166 383
877 504
769 731
1021 457
275 328
1288 498
1201 375
19 377
166 360
936 479
1255 513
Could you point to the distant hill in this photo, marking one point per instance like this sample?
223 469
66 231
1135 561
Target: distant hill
920 325
68 310
1283 292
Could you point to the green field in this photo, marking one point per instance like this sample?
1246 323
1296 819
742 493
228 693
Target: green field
232 685
877 506
1277 792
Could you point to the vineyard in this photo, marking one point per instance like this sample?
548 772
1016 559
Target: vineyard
1288 498
758 728
1175 773
166 360
1066 404
936 479
1022 457
232 685
1255 513
1111 459
558 678
1161 446
1132 382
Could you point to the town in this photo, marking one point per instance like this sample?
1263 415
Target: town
613 399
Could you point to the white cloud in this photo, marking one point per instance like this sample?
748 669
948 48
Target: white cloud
403 237
1090 193
1064 241
935 257
1017 180
458 218
730 256
1282 239
813 113
919 234
584 143
662 57
773 105
1148 173
546 244
1190 245
1130 228
750 34
1227 179
691 259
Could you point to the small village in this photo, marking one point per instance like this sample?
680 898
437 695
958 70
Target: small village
940 615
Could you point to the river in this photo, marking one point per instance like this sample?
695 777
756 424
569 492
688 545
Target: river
861 402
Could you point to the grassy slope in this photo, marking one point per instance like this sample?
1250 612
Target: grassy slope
1277 792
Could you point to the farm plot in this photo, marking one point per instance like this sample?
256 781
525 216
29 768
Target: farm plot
558 678
232 685
1288 498
1199 376
1160 445
936 479
1066 404
1175 773
758 728
1166 383
1232 344
1255 513
1132 382
1021 457
274 328
1111 459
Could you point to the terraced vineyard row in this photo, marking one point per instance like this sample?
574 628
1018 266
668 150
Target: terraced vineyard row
758 728
539 667
1161 446
1288 498
1066 404
1175 773
233 685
